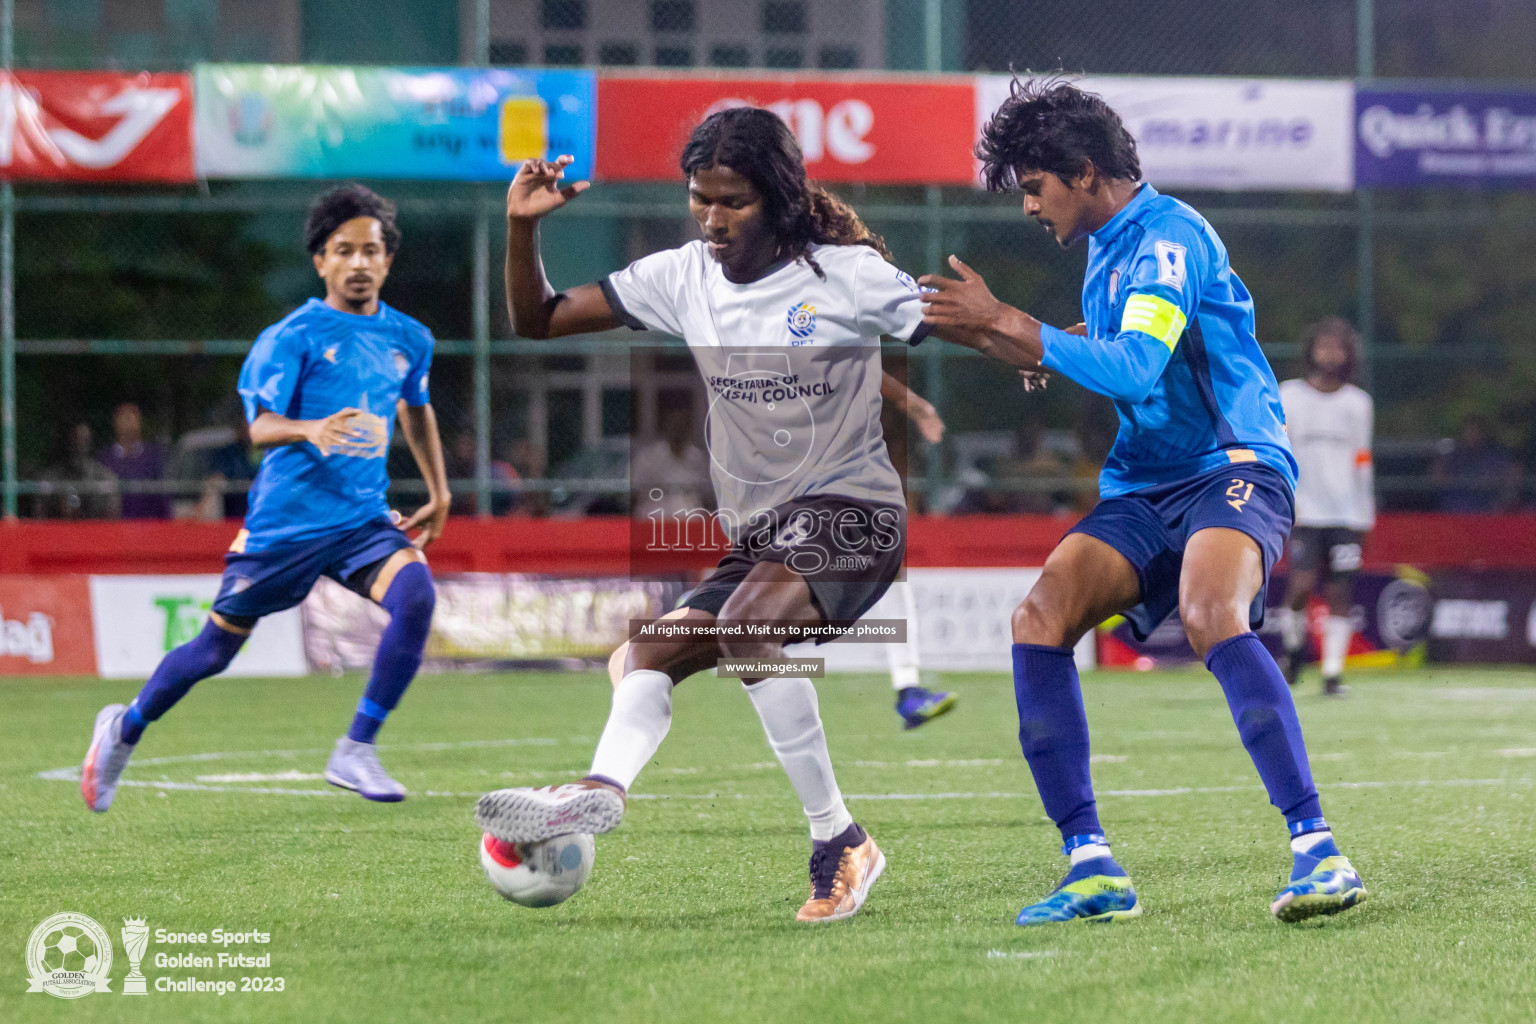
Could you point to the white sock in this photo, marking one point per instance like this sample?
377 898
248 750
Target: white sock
1293 628
903 657
1301 844
637 723
792 719
1336 633
1088 852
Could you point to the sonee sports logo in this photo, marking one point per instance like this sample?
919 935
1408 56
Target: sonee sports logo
802 321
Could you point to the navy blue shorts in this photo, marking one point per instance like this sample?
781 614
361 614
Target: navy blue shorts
280 577
1151 527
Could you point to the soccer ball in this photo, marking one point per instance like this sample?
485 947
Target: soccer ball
70 949
538 874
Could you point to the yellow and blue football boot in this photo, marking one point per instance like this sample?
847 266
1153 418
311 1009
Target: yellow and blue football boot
1322 882
917 706
1095 890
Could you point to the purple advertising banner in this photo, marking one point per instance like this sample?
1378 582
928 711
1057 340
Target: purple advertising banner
1423 137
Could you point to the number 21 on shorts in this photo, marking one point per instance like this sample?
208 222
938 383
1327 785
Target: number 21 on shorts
1239 493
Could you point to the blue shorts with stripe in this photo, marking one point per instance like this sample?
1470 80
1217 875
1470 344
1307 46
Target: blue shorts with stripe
280 577
1151 528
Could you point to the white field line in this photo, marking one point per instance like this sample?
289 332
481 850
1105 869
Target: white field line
73 775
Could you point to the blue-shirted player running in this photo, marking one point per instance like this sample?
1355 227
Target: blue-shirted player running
1196 496
321 389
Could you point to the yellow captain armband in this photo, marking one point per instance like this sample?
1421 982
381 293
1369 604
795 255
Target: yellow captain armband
1154 315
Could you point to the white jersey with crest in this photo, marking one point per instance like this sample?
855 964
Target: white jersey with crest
791 364
1330 432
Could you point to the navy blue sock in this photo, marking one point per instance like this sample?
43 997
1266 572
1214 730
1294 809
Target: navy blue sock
410 600
1266 720
1053 732
206 654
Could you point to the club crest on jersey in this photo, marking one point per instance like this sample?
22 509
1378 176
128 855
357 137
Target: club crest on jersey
402 363
802 322
1170 263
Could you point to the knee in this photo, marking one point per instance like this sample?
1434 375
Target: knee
1207 623
1036 622
412 596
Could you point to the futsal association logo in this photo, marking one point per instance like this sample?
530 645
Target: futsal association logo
802 320
69 956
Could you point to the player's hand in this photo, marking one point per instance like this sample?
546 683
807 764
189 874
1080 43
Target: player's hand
1034 380
341 432
926 418
431 519
967 304
1079 329
537 190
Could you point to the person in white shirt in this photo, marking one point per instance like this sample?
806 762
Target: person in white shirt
1329 421
782 304
670 476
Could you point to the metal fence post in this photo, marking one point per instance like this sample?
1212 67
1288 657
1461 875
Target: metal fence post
1365 223
482 341
8 292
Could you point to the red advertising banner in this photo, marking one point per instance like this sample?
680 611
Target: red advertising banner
95 126
45 626
880 131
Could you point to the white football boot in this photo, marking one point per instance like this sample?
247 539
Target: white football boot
355 766
525 815
105 761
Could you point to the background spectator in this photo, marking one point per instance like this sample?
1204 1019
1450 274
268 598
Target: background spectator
1476 473
673 465
131 458
79 486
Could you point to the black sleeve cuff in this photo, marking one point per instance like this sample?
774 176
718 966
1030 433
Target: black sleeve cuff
626 318
919 334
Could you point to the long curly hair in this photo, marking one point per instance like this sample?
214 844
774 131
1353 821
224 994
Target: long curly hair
758 145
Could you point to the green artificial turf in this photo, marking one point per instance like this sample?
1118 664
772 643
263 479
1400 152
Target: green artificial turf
380 912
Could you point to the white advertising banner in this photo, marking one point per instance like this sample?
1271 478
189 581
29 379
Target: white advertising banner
138 619
964 623
1226 133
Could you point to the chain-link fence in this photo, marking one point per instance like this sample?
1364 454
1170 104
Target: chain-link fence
151 296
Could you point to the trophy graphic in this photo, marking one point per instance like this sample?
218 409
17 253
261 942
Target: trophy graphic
135 938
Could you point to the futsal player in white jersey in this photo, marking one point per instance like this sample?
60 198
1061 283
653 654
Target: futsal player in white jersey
1329 422
782 304
915 704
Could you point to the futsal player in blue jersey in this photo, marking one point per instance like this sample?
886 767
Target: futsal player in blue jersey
1196 495
321 389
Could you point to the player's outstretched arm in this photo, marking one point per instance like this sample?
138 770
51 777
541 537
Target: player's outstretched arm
536 309
340 431
915 407
965 312
419 423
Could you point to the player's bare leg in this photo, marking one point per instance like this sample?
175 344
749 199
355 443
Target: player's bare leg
845 862
1084 582
1293 621
1223 571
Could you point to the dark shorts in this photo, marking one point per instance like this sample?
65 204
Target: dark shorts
848 550
1333 552
280 577
1151 528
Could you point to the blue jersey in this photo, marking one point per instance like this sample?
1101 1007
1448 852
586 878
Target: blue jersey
1171 340
314 362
